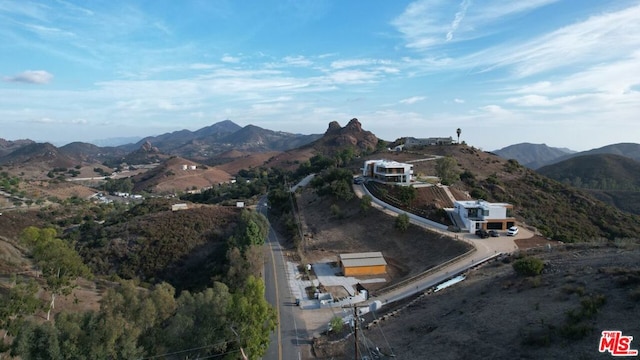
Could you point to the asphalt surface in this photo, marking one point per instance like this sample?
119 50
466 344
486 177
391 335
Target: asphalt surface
287 339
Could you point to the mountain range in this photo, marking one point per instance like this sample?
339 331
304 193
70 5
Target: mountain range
202 145
535 156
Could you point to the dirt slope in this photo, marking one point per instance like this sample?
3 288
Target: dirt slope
495 314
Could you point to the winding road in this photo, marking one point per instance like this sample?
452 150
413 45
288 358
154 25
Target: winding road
286 342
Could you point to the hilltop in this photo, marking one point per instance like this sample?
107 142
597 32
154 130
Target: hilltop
613 179
532 155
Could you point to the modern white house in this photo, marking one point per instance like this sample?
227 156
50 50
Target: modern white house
388 171
480 214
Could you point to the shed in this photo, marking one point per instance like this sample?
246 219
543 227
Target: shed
369 263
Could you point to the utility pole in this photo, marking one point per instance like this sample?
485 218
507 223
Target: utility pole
355 329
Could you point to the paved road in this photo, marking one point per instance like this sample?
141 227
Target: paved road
285 343
286 340
484 249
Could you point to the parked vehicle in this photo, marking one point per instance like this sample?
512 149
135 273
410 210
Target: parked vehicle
512 231
482 233
359 180
494 233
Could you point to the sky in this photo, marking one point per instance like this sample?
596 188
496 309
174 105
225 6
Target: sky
563 73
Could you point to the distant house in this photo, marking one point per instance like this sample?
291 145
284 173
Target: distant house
368 263
480 214
388 171
177 207
411 142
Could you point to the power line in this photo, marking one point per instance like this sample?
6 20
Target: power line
187 350
379 326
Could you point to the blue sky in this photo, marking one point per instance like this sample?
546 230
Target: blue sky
564 73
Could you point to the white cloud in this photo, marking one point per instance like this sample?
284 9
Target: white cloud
230 59
343 64
352 77
201 66
426 23
31 77
458 18
48 120
495 110
599 38
458 101
297 61
412 100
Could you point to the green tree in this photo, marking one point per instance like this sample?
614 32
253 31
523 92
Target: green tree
60 264
252 318
37 342
201 322
252 229
402 222
528 266
365 203
21 301
336 324
446 170
407 194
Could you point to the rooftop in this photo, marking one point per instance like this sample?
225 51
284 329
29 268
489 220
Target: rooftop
362 259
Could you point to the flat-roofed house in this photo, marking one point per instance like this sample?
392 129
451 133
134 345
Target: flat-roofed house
368 263
480 214
388 171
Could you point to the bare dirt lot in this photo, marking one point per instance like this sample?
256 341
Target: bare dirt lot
407 253
496 314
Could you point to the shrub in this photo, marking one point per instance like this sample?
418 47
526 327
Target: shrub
365 203
336 324
336 211
402 222
528 266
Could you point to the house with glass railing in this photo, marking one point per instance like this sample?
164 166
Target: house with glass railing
480 214
388 171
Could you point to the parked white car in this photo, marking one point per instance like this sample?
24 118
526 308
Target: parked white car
512 231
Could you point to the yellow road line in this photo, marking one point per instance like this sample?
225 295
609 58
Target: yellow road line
275 279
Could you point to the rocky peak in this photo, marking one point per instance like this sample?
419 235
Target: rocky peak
351 135
354 125
334 126
147 147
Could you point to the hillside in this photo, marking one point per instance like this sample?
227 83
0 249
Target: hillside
157 244
89 153
170 176
596 171
532 155
613 179
205 144
8 146
630 150
39 155
557 210
496 314
173 140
